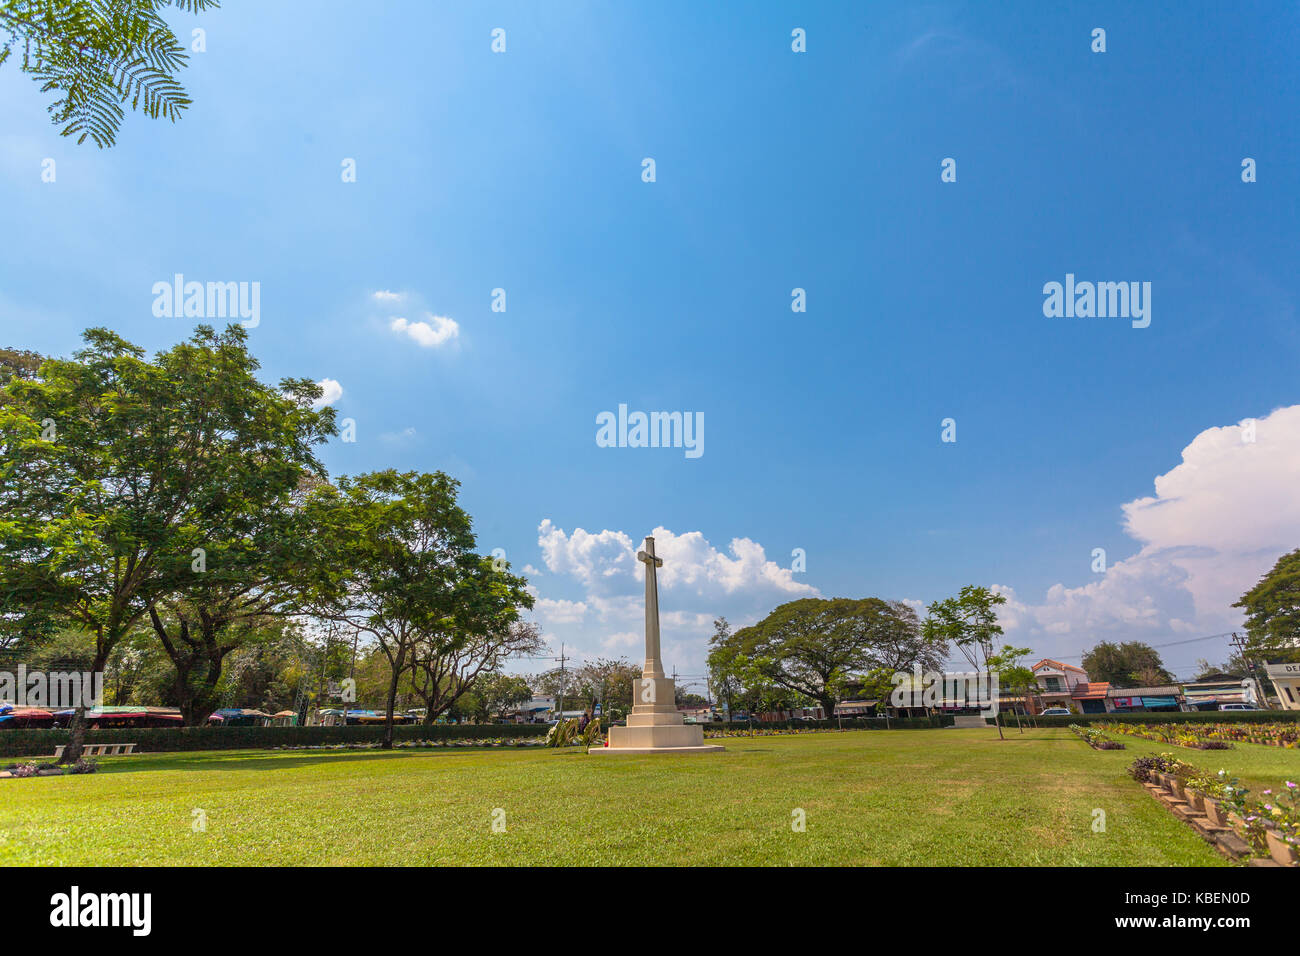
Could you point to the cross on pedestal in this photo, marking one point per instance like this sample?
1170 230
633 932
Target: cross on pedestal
653 666
654 725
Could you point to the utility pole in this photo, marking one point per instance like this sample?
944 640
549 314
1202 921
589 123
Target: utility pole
561 659
1239 643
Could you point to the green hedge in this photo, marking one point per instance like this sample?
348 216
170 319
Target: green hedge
18 742
849 723
1164 717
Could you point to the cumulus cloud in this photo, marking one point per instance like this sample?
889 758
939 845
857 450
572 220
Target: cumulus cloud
697 584
555 611
605 563
436 331
332 391
1217 522
623 641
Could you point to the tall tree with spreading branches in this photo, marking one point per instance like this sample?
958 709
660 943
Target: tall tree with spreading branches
114 469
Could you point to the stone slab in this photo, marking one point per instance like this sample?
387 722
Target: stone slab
1232 844
702 749
1205 828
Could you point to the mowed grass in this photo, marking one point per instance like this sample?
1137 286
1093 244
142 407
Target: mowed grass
914 797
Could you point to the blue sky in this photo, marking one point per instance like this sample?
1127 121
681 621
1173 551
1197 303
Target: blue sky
775 170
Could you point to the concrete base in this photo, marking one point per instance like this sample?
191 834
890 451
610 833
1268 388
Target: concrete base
702 749
655 726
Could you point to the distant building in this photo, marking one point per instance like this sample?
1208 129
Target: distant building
1090 698
1285 679
1214 689
1128 700
856 708
1057 682
533 711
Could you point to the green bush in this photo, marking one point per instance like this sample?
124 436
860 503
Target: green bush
19 742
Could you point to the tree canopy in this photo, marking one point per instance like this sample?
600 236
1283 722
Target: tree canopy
1273 612
814 647
1126 664
96 55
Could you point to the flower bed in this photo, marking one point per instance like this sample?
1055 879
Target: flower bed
1268 735
1192 736
33 769
1220 808
1095 738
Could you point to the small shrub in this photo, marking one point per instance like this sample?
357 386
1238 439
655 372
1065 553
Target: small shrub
24 770
83 766
1144 767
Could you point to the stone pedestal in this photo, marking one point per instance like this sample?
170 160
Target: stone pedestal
655 725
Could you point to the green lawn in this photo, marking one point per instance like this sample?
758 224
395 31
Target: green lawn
908 797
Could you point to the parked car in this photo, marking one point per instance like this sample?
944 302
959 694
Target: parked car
1238 707
1056 712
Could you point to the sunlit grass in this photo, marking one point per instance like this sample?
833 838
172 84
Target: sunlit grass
914 797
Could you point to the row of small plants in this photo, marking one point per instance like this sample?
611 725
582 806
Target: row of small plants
1270 825
757 731
33 769
1269 735
424 744
1095 738
1192 736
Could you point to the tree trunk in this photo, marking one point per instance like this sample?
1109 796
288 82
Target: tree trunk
387 743
73 750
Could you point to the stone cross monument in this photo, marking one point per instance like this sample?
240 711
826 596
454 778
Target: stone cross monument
654 726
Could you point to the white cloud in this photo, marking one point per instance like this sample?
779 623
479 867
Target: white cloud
697 584
332 392
1217 522
438 330
392 298
556 611
405 435
622 641
605 563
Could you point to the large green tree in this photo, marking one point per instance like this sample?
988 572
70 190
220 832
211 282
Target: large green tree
95 56
1273 612
115 470
398 564
1125 664
812 647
